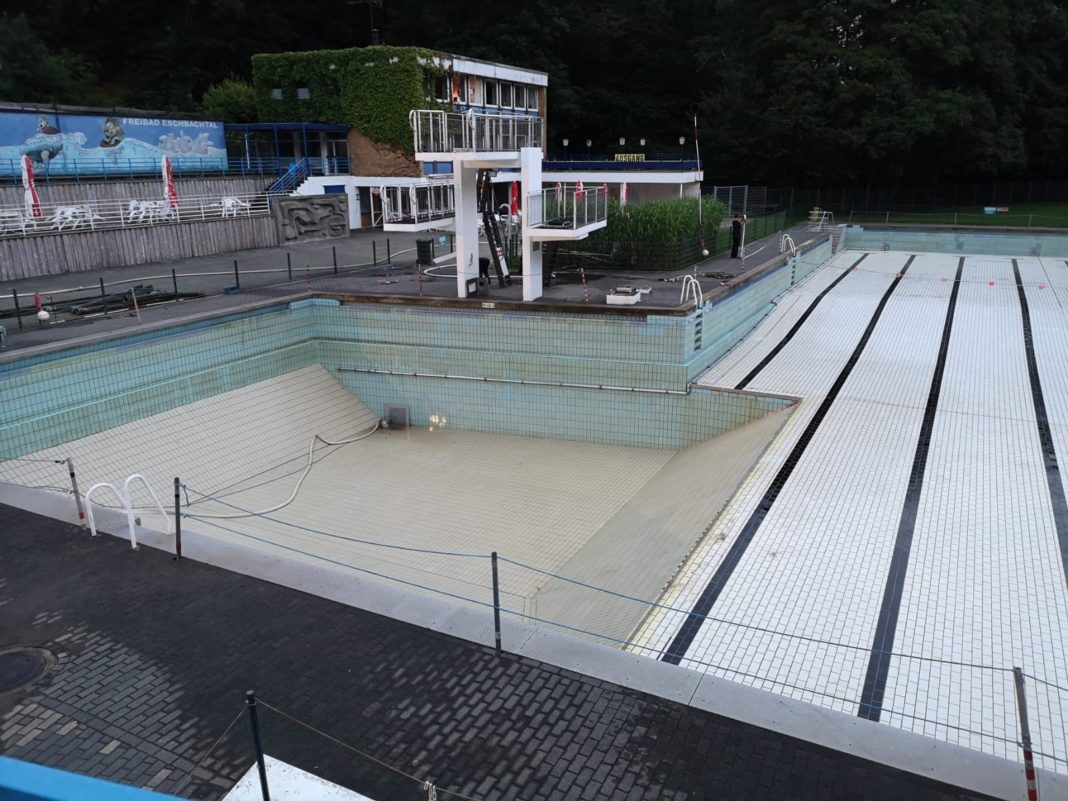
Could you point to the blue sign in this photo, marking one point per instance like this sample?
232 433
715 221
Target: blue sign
81 144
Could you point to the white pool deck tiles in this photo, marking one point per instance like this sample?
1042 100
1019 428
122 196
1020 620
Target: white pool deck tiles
985 585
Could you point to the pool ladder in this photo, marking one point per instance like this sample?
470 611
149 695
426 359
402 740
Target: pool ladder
125 498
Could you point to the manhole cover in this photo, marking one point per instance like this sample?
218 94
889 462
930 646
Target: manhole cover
22 665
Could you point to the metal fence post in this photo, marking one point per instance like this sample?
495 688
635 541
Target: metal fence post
18 311
289 264
104 295
237 277
333 249
77 495
174 280
177 520
1025 736
496 605
254 721
374 253
389 258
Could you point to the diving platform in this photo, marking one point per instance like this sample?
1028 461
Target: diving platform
418 207
566 213
487 141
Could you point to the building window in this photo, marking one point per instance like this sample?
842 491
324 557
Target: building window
520 97
459 89
532 98
491 93
474 91
441 88
276 94
303 93
506 95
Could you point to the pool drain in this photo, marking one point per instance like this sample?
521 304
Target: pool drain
22 665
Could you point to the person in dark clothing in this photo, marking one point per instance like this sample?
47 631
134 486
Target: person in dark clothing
736 235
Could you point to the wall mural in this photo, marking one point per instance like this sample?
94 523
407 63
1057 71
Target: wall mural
311 216
82 144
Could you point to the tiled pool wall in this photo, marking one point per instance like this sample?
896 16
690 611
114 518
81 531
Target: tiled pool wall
720 325
48 400
994 243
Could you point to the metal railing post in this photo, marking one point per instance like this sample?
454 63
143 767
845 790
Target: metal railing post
237 276
389 257
1025 737
77 495
254 722
374 253
289 264
174 280
177 519
496 605
104 295
333 250
18 311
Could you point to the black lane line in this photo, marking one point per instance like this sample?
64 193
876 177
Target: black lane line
1049 452
801 321
685 636
871 696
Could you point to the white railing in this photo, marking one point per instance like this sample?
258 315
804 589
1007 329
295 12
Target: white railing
96 215
818 218
691 289
570 207
786 242
414 203
448 132
125 499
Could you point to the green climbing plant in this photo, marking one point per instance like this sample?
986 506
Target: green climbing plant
371 89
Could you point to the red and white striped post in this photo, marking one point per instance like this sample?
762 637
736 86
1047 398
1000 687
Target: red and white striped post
1025 737
585 288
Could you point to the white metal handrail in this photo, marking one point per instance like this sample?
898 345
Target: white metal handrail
125 499
449 132
94 215
570 207
417 203
786 242
818 218
691 287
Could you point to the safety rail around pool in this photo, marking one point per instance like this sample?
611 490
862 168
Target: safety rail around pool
94 215
981 713
448 132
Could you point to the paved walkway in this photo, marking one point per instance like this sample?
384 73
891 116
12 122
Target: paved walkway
154 658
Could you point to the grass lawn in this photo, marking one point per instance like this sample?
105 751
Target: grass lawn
1034 215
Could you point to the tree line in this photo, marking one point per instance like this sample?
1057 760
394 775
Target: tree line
857 92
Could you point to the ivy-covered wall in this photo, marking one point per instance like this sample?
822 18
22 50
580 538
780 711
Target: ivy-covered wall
370 88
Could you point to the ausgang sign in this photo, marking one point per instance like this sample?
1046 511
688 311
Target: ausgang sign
630 157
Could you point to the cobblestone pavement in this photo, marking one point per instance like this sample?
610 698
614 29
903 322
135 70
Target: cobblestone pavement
154 658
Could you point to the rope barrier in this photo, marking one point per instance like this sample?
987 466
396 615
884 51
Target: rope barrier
424 784
310 530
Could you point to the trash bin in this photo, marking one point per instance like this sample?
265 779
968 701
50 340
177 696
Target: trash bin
424 251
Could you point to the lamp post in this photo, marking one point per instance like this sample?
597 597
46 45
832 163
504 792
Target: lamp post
682 143
642 143
566 143
589 144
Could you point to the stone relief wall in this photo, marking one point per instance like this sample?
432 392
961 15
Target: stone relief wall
311 217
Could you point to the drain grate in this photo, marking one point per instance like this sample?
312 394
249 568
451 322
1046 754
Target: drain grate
23 665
